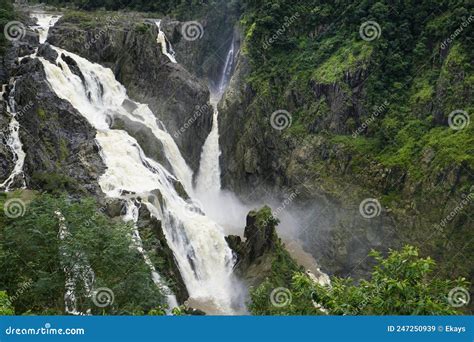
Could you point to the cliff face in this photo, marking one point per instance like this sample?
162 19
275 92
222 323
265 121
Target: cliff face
127 44
58 141
322 154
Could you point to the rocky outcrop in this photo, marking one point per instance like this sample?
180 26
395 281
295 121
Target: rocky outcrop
155 242
332 177
127 44
61 153
255 254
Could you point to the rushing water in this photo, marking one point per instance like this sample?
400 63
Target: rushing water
204 258
209 176
208 184
44 22
14 143
166 48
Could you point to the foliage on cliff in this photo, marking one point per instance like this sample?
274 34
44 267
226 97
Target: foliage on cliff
371 112
6 15
401 284
411 65
182 8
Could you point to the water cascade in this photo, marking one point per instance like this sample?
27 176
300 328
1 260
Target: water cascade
208 184
43 23
14 142
204 259
166 47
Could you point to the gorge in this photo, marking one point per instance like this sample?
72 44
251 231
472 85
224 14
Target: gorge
232 168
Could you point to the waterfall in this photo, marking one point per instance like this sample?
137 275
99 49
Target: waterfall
132 210
227 70
208 184
14 142
76 268
203 256
44 22
166 47
209 176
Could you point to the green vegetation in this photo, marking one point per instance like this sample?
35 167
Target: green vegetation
401 284
32 253
180 8
6 15
333 82
402 66
6 308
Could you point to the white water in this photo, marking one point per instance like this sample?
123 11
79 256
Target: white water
132 215
44 23
204 259
161 39
14 142
76 268
208 184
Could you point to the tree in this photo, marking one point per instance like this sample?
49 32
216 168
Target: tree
6 308
31 251
400 284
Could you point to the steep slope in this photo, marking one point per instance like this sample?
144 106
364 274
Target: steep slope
321 104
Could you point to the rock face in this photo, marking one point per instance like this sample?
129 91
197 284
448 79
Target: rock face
59 143
202 45
333 181
255 254
127 44
154 241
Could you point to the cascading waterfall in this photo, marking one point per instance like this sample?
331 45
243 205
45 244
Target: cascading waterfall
43 24
76 268
203 256
14 142
209 176
208 184
166 47
131 214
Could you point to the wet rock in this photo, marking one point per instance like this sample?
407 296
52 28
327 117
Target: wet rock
61 153
153 238
172 93
47 53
